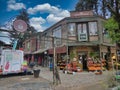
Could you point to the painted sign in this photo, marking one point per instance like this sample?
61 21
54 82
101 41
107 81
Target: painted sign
82 13
11 61
20 25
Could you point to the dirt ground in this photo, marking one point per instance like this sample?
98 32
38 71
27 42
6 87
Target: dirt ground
25 82
79 81
13 82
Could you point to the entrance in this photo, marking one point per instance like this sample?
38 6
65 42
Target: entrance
83 59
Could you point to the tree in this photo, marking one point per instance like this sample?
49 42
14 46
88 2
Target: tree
113 23
30 30
98 6
24 16
112 28
114 8
85 5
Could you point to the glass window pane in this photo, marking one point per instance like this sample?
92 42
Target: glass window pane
71 29
80 28
58 33
93 28
82 32
84 28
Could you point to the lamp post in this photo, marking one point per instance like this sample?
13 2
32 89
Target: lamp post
45 58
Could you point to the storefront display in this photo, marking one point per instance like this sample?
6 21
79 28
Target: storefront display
93 66
61 65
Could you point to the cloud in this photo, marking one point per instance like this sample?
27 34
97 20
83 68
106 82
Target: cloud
46 8
52 18
36 22
8 24
12 5
55 13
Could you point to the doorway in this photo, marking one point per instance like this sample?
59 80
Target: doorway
83 58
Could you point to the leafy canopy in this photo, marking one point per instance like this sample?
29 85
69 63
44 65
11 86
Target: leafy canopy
113 29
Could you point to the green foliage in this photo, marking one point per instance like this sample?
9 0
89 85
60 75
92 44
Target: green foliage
113 29
111 24
85 5
28 33
72 55
23 16
94 54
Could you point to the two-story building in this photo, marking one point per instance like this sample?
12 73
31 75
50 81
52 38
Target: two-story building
77 35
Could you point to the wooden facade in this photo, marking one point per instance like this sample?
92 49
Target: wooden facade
81 33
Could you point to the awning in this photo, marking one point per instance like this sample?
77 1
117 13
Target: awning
39 51
62 49
27 52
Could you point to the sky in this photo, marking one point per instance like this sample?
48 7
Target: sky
42 13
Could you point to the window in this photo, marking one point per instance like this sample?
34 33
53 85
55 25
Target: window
57 33
93 28
28 46
82 32
105 33
47 44
82 28
71 29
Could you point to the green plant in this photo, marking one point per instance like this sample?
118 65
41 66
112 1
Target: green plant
72 55
94 56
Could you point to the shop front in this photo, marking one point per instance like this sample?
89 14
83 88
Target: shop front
60 53
81 53
89 56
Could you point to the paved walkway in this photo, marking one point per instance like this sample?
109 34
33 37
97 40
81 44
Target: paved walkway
81 80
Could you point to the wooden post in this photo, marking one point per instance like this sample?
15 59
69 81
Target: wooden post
53 60
56 77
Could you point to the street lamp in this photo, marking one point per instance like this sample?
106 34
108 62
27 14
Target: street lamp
45 58
45 52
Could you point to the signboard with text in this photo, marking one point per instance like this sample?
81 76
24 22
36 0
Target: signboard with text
82 37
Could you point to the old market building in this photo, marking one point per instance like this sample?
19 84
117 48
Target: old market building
79 35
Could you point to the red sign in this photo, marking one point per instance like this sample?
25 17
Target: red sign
82 13
58 50
20 25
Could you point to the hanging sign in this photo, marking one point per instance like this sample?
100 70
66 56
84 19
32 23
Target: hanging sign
20 25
